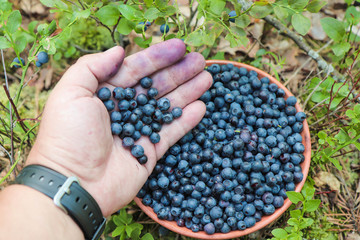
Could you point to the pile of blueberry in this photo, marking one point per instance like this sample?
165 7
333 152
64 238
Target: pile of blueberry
137 115
237 164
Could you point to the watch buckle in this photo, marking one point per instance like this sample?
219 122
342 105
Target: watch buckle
99 230
65 188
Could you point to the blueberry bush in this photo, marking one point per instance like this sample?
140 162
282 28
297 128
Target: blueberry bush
320 67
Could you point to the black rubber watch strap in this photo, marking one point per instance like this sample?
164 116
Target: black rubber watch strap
68 195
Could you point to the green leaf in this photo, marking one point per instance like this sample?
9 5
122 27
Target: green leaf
340 49
293 222
118 231
342 136
295 197
108 15
48 3
20 43
295 213
217 6
281 12
219 55
333 28
32 25
259 11
147 236
322 134
357 109
312 205
300 23
298 4
336 163
352 15
143 43
279 233
5 6
242 21
4 43
195 38
82 14
13 21
125 26
357 145
315 6
151 14
130 12
306 222
148 3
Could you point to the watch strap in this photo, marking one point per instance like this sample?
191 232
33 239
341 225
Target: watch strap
68 195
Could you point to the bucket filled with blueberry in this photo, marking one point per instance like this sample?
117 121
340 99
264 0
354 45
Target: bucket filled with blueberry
228 176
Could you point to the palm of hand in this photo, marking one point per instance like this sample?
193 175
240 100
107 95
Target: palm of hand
75 136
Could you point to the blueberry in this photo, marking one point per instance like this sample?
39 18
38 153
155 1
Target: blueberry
148 110
300 116
167 118
123 105
128 142
16 60
109 104
104 94
268 209
298 177
43 57
141 99
152 92
176 112
291 101
154 137
278 202
128 129
216 212
163 104
249 209
146 82
249 221
241 225
209 228
164 28
37 63
232 16
298 148
137 151
119 93
116 128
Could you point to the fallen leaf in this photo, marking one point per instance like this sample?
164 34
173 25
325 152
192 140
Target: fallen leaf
352 236
326 178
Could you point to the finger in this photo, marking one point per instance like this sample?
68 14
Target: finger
171 77
148 61
91 69
170 134
190 91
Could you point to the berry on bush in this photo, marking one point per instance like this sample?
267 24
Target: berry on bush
164 28
16 60
42 57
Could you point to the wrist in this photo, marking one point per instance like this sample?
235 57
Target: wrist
28 214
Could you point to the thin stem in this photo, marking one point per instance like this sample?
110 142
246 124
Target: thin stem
15 109
17 160
10 111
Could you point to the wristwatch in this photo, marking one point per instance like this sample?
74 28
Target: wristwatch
68 195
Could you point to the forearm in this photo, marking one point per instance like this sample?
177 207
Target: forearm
29 214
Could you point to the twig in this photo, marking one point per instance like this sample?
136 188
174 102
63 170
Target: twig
10 111
114 28
15 109
84 50
306 62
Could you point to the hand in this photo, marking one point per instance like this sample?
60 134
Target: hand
75 136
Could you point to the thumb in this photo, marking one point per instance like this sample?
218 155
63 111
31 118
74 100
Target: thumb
92 69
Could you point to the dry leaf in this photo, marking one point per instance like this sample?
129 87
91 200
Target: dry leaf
326 178
352 236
